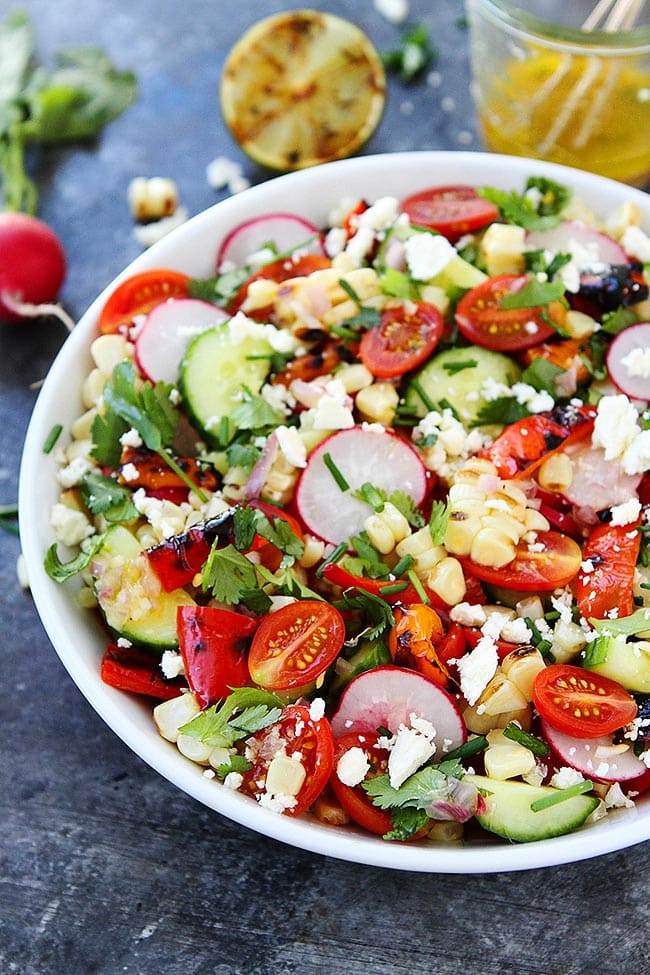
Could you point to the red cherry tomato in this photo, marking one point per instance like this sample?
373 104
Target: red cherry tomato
296 644
451 210
402 340
551 567
354 800
606 577
138 295
483 321
299 733
581 703
288 267
214 645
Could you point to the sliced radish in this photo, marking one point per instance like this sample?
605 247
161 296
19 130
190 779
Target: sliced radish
285 230
167 332
588 247
628 361
593 757
360 455
386 697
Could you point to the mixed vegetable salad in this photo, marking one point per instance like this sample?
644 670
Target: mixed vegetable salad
367 511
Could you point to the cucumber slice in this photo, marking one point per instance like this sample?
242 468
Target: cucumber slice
462 389
509 814
214 370
626 663
123 584
459 274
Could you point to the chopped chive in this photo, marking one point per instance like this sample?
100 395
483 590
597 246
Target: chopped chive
428 402
349 290
643 557
332 557
645 585
335 472
52 438
444 404
562 795
384 732
392 588
544 647
455 367
535 745
551 616
402 566
469 748
344 333
417 585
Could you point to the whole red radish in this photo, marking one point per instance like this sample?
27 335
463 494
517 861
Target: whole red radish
32 268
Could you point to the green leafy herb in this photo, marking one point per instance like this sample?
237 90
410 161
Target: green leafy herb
407 507
376 613
9 518
535 745
243 455
414 55
468 749
503 410
73 100
615 321
254 413
286 583
365 318
335 472
242 713
237 763
533 294
220 290
541 374
417 585
596 652
397 284
372 563
146 408
61 571
453 368
627 626
419 790
249 522
52 438
561 795
407 822
538 262
428 402
372 496
440 514
104 496
540 211
228 574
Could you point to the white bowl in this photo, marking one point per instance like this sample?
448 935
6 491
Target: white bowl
79 639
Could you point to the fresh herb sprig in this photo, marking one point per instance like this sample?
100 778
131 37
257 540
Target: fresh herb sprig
242 713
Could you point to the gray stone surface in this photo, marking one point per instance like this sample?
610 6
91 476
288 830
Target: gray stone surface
105 867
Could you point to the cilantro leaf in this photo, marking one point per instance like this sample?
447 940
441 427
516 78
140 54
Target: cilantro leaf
418 792
286 583
637 622
228 574
243 455
62 571
106 430
244 527
407 507
413 56
440 514
503 411
533 294
242 713
237 763
249 522
541 374
615 321
220 290
406 823
376 613
104 496
554 197
254 413
523 211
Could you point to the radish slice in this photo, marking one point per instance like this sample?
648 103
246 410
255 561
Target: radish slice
592 756
628 361
167 332
285 230
588 247
386 697
360 455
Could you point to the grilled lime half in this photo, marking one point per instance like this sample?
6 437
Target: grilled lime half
301 88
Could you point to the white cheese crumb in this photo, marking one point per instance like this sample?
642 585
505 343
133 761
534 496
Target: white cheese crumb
410 750
171 664
131 438
626 513
637 362
317 709
147 234
124 643
129 472
565 777
352 767
427 255
615 798
395 11
233 780
292 446
468 614
477 668
516 631
615 426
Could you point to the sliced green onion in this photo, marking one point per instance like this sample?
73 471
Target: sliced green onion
469 748
561 796
402 566
340 549
52 438
535 745
417 585
335 472
428 402
392 588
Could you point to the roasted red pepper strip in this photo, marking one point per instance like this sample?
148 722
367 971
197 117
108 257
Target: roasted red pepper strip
214 644
606 577
526 444
154 474
132 670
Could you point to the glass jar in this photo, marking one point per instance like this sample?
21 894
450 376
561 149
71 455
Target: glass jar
545 87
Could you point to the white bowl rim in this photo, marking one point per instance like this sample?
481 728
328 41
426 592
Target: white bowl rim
62 618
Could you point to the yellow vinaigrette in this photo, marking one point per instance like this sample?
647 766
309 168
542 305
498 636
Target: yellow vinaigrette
582 111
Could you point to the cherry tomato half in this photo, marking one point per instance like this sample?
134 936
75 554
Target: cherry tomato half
483 321
299 733
581 703
553 566
138 295
354 800
606 577
402 340
214 645
451 210
295 644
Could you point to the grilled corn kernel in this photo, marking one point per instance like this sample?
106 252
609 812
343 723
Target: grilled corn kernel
107 351
93 387
446 579
354 377
522 666
472 469
151 199
234 482
377 403
501 521
577 325
501 695
285 776
465 491
313 551
81 428
530 607
556 473
480 722
260 294
416 544
193 749
568 640
460 533
503 248
379 534
508 760
396 521
280 480
171 715
490 546
327 810
535 521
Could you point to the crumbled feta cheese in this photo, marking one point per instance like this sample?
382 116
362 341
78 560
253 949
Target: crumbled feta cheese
637 362
410 750
148 234
516 631
233 780
223 172
333 411
395 11
123 642
352 767
292 446
129 472
534 400
626 513
70 525
477 668
381 215
615 798
636 243
636 458
279 397
427 255
131 438
171 664
317 709
335 241
71 474
565 777
615 426
444 442
360 245
468 614
240 328
276 804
